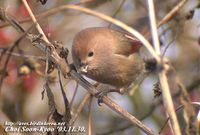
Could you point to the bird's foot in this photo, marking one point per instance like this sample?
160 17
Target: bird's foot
101 94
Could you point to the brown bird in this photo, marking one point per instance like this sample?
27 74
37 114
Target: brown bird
108 56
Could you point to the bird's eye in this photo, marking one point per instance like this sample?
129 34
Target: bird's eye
90 54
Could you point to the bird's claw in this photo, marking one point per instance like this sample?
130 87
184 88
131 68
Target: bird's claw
100 96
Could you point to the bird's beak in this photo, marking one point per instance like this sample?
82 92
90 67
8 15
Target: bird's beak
83 68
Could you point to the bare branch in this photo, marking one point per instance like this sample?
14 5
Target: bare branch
35 21
195 84
64 67
67 115
162 75
109 19
117 11
80 108
75 92
90 117
172 13
19 55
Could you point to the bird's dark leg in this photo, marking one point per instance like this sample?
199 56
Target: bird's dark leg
104 92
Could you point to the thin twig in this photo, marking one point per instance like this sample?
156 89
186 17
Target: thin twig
42 16
35 21
162 75
153 27
11 49
167 46
67 115
24 55
80 108
189 111
168 103
128 116
177 109
75 91
85 2
117 11
90 116
171 14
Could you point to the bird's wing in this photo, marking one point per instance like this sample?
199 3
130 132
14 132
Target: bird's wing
127 44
